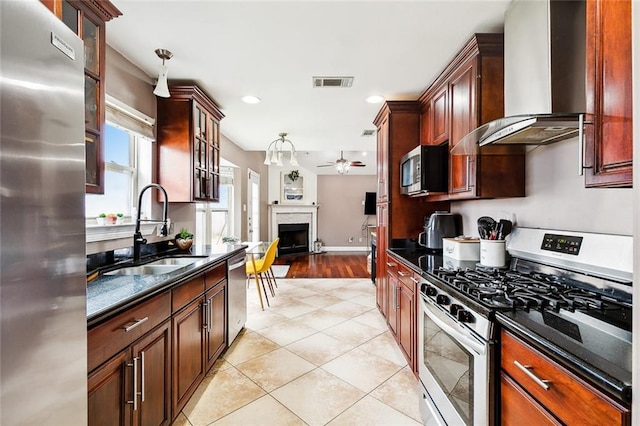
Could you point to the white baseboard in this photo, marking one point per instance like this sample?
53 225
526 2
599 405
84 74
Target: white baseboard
346 248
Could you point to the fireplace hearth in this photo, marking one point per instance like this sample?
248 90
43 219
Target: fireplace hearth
294 238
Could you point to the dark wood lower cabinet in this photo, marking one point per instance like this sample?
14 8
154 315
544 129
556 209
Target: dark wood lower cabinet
157 353
401 314
154 377
188 354
107 396
140 373
216 335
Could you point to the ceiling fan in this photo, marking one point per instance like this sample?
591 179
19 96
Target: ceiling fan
342 164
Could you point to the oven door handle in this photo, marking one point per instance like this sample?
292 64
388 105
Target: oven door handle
435 414
467 341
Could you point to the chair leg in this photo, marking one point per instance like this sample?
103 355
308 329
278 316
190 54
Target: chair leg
274 277
264 290
273 293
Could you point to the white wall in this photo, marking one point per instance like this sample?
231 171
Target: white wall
556 198
310 183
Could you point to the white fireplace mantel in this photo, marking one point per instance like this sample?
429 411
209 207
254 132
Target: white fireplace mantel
294 213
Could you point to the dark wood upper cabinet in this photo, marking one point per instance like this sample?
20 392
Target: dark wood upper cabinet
435 118
87 18
467 94
609 140
188 132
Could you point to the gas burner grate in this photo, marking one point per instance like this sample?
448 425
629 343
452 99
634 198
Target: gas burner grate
514 290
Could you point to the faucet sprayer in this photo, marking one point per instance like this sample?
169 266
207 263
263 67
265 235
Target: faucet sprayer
138 240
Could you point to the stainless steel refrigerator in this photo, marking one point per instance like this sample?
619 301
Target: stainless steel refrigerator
43 326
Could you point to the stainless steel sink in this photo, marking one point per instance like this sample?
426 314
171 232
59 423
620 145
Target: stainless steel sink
186 260
146 270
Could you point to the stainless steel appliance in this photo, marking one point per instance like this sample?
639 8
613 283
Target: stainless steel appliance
437 226
424 170
237 285
552 109
571 290
43 317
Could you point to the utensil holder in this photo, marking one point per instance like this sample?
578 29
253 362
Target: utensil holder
492 253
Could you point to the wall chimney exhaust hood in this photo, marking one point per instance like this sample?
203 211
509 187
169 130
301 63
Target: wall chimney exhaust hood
544 77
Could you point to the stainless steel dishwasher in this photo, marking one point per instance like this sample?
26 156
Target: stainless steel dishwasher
237 291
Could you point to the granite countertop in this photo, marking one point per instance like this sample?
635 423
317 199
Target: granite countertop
109 294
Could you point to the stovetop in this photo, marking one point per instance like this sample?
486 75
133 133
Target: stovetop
510 290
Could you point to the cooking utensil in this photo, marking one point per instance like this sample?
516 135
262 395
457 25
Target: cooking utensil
505 228
486 225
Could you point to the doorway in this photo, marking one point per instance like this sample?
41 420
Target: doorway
253 206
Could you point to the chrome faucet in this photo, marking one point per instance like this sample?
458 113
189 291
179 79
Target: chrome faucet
138 240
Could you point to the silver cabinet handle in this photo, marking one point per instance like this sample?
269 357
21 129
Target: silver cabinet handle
390 265
415 280
581 145
136 322
134 401
205 316
141 376
397 298
402 274
210 320
526 369
468 173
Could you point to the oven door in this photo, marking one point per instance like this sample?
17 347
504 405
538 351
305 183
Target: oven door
453 364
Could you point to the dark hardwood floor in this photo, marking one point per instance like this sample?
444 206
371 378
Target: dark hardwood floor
326 265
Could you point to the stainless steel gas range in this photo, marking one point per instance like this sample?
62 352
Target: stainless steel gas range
569 291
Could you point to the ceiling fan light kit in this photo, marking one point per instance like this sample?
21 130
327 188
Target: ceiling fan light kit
343 165
275 152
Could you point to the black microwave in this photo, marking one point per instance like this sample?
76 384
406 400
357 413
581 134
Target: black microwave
424 170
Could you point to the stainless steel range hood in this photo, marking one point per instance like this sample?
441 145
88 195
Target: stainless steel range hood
544 76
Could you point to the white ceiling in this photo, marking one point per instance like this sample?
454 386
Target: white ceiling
273 49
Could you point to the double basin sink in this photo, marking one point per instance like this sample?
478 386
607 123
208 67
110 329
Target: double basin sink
157 267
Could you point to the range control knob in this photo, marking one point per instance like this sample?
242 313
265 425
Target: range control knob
465 316
442 299
454 309
431 291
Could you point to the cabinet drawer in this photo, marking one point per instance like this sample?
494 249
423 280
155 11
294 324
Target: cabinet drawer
186 292
114 335
568 397
215 275
518 407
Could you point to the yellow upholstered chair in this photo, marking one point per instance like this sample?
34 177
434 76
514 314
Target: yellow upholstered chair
263 268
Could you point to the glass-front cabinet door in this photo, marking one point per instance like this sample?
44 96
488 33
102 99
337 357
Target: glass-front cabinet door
200 152
87 18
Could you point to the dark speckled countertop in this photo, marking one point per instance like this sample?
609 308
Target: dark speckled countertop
110 294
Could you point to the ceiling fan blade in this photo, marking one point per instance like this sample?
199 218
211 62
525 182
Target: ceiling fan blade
358 165
326 165
356 162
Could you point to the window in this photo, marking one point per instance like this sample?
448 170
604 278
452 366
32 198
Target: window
127 163
215 220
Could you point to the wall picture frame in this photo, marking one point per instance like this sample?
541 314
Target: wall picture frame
291 190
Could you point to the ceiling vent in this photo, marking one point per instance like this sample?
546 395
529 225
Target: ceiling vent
332 81
368 132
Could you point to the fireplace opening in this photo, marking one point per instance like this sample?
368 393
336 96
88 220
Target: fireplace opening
294 238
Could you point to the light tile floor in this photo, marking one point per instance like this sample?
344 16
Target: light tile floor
320 355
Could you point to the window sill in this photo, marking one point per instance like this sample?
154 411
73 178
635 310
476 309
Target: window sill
96 233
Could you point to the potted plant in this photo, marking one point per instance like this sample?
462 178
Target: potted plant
294 175
184 239
101 219
120 218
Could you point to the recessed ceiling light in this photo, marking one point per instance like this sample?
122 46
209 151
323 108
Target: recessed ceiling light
375 99
251 99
